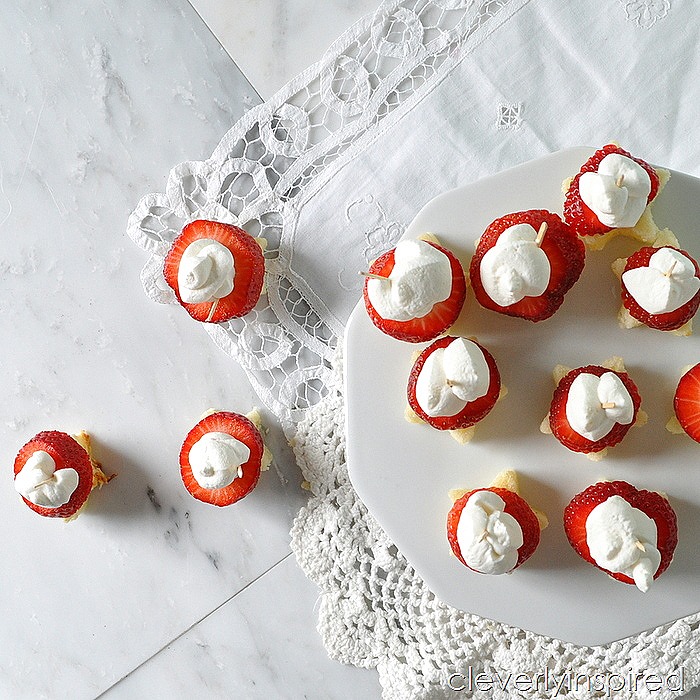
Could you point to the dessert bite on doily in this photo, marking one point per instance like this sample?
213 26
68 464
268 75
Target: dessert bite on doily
593 407
493 530
610 196
55 473
216 270
222 457
525 263
415 291
630 534
453 385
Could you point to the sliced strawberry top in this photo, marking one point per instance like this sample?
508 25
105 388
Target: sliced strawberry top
651 503
67 454
565 252
515 506
249 266
242 429
474 411
686 402
664 322
582 220
437 320
559 423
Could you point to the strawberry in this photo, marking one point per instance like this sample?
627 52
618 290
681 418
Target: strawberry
474 411
651 503
565 252
249 265
686 402
236 426
515 506
664 322
67 453
559 423
580 218
437 320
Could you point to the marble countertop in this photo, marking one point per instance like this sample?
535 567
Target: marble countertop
99 101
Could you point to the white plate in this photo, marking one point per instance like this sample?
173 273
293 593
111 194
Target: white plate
403 471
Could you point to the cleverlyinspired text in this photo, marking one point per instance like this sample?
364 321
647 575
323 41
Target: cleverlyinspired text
552 684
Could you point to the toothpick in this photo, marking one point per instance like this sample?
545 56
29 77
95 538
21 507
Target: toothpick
669 272
608 404
620 180
540 233
640 546
372 276
212 310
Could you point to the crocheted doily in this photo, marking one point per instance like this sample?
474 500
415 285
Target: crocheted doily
278 159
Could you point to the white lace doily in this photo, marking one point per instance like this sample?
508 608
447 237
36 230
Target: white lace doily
424 95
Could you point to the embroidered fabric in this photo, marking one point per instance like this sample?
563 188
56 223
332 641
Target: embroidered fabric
282 173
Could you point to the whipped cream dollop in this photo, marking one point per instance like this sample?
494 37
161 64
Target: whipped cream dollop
451 377
623 539
617 193
488 537
516 267
206 272
421 277
41 483
595 404
664 285
216 459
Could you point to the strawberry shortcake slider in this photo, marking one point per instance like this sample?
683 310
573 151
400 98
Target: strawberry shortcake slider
454 383
56 472
216 270
593 407
630 534
222 457
610 196
415 291
493 530
660 289
525 263
686 405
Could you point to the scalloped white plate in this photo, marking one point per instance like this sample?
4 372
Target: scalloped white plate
403 471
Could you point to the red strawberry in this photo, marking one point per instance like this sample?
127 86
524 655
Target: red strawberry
249 270
565 252
579 217
649 502
238 427
686 402
560 424
67 454
515 506
474 411
663 322
437 320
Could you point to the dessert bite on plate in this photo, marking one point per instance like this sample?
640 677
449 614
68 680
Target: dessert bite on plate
609 196
493 530
593 407
216 270
660 289
525 263
222 457
628 533
55 473
454 383
686 405
415 291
